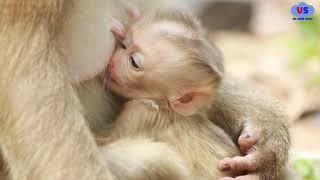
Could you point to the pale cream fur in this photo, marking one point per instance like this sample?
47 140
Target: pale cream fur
44 134
197 140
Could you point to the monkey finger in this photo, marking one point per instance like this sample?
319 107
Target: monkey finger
246 141
118 29
226 178
245 177
239 163
132 9
248 138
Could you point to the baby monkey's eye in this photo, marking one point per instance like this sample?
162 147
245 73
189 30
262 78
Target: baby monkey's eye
136 61
133 63
123 46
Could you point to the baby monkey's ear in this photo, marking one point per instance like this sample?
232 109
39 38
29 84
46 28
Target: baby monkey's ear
191 101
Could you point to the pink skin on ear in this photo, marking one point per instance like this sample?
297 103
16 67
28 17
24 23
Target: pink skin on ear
183 105
190 102
186 98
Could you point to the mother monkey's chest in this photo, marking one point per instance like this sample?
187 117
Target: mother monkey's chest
87 44
85 36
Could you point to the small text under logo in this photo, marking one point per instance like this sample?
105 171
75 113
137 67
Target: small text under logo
302 11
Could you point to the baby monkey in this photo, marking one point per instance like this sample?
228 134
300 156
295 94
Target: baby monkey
173 78
169 71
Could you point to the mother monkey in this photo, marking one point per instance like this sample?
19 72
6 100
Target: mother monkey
51 98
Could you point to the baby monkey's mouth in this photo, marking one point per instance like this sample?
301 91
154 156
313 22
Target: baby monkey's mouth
107 77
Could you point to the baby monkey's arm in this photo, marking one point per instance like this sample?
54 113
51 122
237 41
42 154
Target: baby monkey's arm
259 126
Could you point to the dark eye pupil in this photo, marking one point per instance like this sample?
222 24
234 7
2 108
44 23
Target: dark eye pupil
133 63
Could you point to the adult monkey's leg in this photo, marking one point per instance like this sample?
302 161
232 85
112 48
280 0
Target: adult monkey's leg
43 133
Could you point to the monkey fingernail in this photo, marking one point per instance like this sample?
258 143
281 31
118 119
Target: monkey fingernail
246 135
226 167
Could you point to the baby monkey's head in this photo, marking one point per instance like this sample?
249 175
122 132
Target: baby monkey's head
166 56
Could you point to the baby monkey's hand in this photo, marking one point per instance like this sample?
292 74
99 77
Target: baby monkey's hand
255 158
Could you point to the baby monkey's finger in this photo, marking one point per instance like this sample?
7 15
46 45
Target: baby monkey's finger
239 163
245 177
118 29
248 138
247 141
132 9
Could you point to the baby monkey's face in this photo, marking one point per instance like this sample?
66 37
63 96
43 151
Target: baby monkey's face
138 63
166 59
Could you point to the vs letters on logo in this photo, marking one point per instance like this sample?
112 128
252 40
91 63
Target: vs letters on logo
302 11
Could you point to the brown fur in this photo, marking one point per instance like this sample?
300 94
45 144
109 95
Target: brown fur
198 70
201 143
231 109
3 169
236 105
35 95
44 134
30 12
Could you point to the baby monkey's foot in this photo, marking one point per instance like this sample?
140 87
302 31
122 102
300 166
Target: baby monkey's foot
248 163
